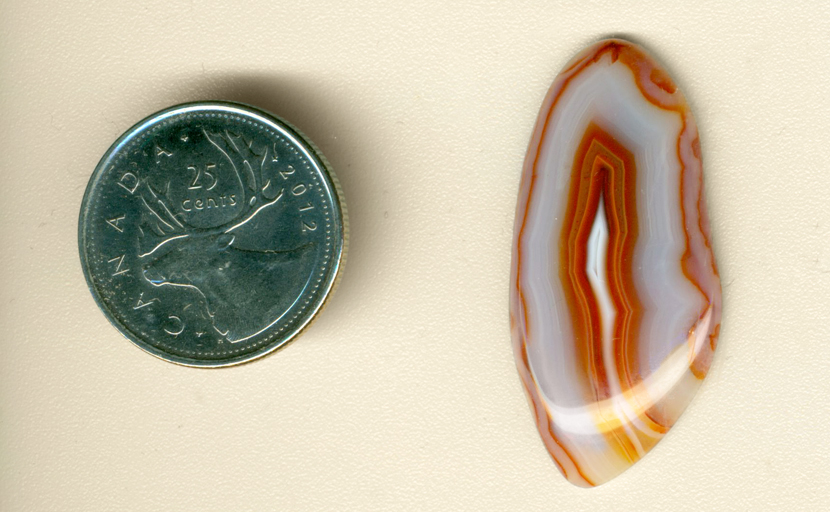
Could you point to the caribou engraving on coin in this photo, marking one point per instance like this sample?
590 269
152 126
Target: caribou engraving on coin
211 233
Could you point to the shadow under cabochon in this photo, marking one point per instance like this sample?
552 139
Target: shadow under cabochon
615 299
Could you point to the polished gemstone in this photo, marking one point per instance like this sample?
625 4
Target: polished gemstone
615 297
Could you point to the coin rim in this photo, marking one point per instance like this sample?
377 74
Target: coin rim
316 159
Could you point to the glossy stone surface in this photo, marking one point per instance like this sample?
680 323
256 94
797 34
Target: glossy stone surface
615 295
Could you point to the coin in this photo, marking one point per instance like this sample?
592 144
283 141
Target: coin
212 233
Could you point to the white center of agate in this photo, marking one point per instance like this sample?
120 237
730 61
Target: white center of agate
597 270
596 267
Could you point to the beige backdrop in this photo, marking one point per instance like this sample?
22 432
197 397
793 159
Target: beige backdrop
404 395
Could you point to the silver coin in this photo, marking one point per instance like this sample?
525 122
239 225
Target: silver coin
212 233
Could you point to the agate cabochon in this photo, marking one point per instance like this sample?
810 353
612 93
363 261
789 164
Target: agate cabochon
615 298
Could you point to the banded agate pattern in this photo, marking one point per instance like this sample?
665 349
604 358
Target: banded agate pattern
615 295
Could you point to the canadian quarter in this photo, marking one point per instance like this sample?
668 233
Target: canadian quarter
212 233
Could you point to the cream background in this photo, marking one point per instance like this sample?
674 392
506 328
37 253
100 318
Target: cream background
404 396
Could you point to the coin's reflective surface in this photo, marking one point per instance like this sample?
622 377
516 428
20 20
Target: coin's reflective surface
211 233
